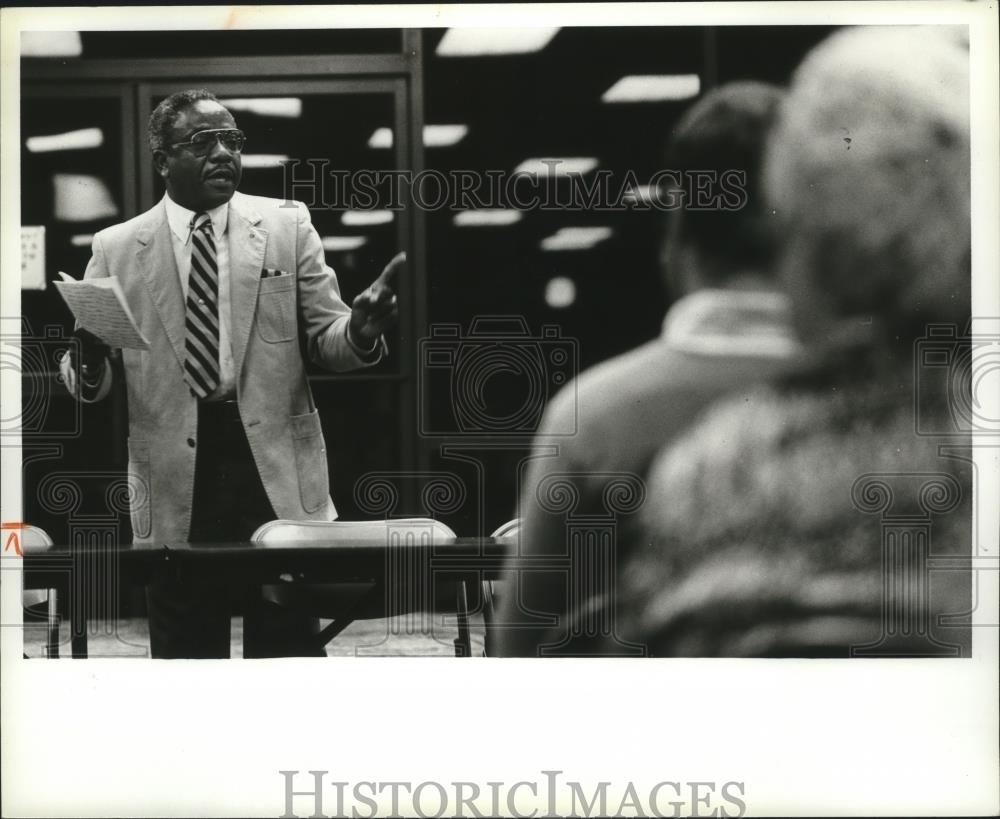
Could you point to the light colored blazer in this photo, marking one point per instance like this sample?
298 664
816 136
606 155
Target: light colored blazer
268 317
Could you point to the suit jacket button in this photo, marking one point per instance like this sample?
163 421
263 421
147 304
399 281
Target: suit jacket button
191 442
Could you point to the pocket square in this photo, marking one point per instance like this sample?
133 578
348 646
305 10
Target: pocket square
270 272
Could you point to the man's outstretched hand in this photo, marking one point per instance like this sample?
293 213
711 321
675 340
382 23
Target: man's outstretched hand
375 310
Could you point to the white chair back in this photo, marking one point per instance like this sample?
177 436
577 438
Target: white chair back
346 601
34 541
416 531
510 529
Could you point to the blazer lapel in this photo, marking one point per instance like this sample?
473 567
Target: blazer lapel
247 242
156 263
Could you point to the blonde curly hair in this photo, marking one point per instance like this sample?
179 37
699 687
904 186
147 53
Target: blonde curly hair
867 176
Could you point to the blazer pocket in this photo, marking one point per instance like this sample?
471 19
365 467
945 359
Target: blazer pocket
140 488
276 309
310 460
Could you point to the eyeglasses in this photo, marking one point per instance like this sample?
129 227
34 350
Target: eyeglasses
203 142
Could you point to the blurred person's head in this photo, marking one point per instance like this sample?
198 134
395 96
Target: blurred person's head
867 173
196 149
716 152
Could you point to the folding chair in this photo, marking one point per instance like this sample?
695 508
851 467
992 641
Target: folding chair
34 540
347 602
493 589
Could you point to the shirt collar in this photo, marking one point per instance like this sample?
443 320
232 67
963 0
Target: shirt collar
732 322
180 218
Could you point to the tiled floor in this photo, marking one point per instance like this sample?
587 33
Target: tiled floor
417 635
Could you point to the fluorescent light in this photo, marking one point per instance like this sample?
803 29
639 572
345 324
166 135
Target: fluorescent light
435 136
82 198
70 141
487 216
51 44
82 240
641 193
381 138
477 42
653 88
255 161
441 136
560 292
366 217
576 238
288 107
557 166
335 243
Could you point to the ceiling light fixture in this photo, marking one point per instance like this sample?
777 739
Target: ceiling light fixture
259 161
441 136
487 216
435 136
558 166
482 42
641 193
82 198
576 238
286 107
560 292
337 243
653 88
70 141
362 218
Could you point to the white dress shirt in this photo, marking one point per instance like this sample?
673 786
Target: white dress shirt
181 228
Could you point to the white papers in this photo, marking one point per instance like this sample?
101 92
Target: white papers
100 307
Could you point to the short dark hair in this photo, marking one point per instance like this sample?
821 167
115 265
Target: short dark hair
725 131
166 113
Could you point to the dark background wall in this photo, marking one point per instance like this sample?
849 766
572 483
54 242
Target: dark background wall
401 420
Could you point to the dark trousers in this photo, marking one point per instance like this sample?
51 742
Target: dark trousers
190 618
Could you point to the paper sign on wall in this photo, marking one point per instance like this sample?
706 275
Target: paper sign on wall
32 257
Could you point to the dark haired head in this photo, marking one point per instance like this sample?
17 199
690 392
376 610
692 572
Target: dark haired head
165 115
196 177
722 138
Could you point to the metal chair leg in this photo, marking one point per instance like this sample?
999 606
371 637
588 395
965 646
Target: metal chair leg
463 643
52 648
489 620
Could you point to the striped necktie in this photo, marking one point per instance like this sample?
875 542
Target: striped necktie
201 347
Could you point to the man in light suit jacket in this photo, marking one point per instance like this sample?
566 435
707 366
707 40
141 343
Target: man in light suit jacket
223 431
